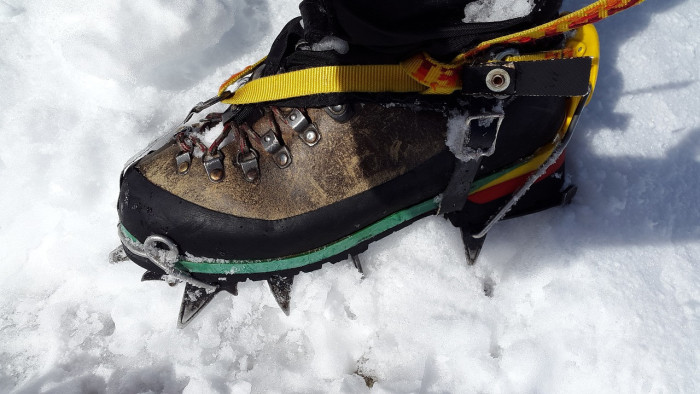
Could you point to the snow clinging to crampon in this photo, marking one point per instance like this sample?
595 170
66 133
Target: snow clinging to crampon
496 10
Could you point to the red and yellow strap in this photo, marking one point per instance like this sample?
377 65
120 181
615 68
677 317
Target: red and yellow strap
235 77
419 74
592 13
441 78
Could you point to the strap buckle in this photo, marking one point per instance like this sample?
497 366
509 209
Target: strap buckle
559 149
478 138
476 141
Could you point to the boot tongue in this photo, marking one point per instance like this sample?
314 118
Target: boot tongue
283 45
320 32
402 30
300 44
317 21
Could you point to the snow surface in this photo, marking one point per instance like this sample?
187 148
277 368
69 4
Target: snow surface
601 296
496 10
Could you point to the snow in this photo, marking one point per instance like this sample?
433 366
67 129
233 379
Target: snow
600 296
496 10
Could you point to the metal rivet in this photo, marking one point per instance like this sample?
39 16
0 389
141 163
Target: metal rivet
283 159
214 166
251 175
216 175
341 113
497 80
268 138
248 162
311 136
183 161
293 117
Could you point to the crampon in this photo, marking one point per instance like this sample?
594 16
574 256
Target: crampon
321 152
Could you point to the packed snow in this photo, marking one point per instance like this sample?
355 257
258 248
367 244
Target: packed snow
496 10
600 296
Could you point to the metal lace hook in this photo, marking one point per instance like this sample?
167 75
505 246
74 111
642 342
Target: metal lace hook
202 105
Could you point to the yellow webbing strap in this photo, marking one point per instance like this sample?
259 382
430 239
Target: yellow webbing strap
235 77
329 79
565 53
420 73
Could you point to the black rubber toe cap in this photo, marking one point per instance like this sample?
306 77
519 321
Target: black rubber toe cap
146 209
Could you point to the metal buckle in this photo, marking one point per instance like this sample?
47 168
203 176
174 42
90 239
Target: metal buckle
477 140
479 137
559 149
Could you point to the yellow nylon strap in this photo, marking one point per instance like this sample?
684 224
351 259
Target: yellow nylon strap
235 77
439 78
330 79
420 73
565 53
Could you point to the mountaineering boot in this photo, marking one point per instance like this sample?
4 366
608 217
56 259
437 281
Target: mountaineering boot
321 152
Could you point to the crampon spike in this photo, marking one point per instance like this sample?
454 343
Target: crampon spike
567 195
281 287
357 263
472 246
118 255
150 275
194 300
232 289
